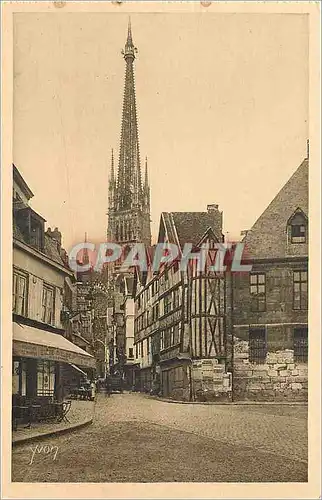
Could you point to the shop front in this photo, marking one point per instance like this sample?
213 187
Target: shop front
40 359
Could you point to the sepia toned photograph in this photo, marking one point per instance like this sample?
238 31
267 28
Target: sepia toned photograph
160 246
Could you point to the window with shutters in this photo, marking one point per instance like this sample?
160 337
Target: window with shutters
162 340
300 344
258 292
176 334
48 304
167 338
257 345
168 303
19 293
300 295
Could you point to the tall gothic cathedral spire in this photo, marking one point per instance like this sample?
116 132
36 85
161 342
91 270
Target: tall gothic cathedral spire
129 198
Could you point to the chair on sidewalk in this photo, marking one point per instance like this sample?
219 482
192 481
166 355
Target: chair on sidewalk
63 410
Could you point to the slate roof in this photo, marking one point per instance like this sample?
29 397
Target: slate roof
17 177
52 251
189 227
268 237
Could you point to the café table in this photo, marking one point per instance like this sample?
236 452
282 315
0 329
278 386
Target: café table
28 409
32 411
18 408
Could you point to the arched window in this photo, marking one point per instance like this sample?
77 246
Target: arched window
297 227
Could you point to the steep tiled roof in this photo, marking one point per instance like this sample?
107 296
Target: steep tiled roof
189 227
17 177
268 236
52 251
16 233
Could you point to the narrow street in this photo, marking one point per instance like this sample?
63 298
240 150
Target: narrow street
138 439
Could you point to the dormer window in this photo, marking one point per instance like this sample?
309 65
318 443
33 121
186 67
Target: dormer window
32 227
36 233
297 227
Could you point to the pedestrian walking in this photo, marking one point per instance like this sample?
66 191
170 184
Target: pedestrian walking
107 387
93 390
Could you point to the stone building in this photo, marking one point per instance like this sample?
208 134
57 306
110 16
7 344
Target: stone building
181 316
270 305
129 195
240 335
128 219
41 353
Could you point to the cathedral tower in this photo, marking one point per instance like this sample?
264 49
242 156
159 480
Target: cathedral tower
129 195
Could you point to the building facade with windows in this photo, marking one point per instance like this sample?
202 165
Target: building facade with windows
270 304
40 349
181 316
128 221
146 331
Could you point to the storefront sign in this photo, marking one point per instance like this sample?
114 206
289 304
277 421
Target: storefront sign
29 350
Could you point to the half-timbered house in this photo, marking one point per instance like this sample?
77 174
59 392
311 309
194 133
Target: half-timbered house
180 327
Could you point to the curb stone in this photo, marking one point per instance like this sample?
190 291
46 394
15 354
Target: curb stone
232 403
35 437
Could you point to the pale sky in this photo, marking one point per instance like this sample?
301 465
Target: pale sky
222 106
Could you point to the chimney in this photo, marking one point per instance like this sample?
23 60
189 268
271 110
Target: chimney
212 208
308 149
56 235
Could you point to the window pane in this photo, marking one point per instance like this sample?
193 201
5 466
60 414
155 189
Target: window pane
253 289
296 276
300 344
14 292
23 378
296 287
261 289
303 275
261 278
257 345
253 278
15 377
298 230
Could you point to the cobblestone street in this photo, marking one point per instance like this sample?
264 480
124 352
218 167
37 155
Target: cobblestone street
138 439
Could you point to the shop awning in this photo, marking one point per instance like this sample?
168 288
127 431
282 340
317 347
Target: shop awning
78 370
31 342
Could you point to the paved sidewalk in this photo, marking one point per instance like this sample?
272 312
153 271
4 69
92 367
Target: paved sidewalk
80 414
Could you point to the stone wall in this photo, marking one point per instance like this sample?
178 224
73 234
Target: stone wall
210 382
278 379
